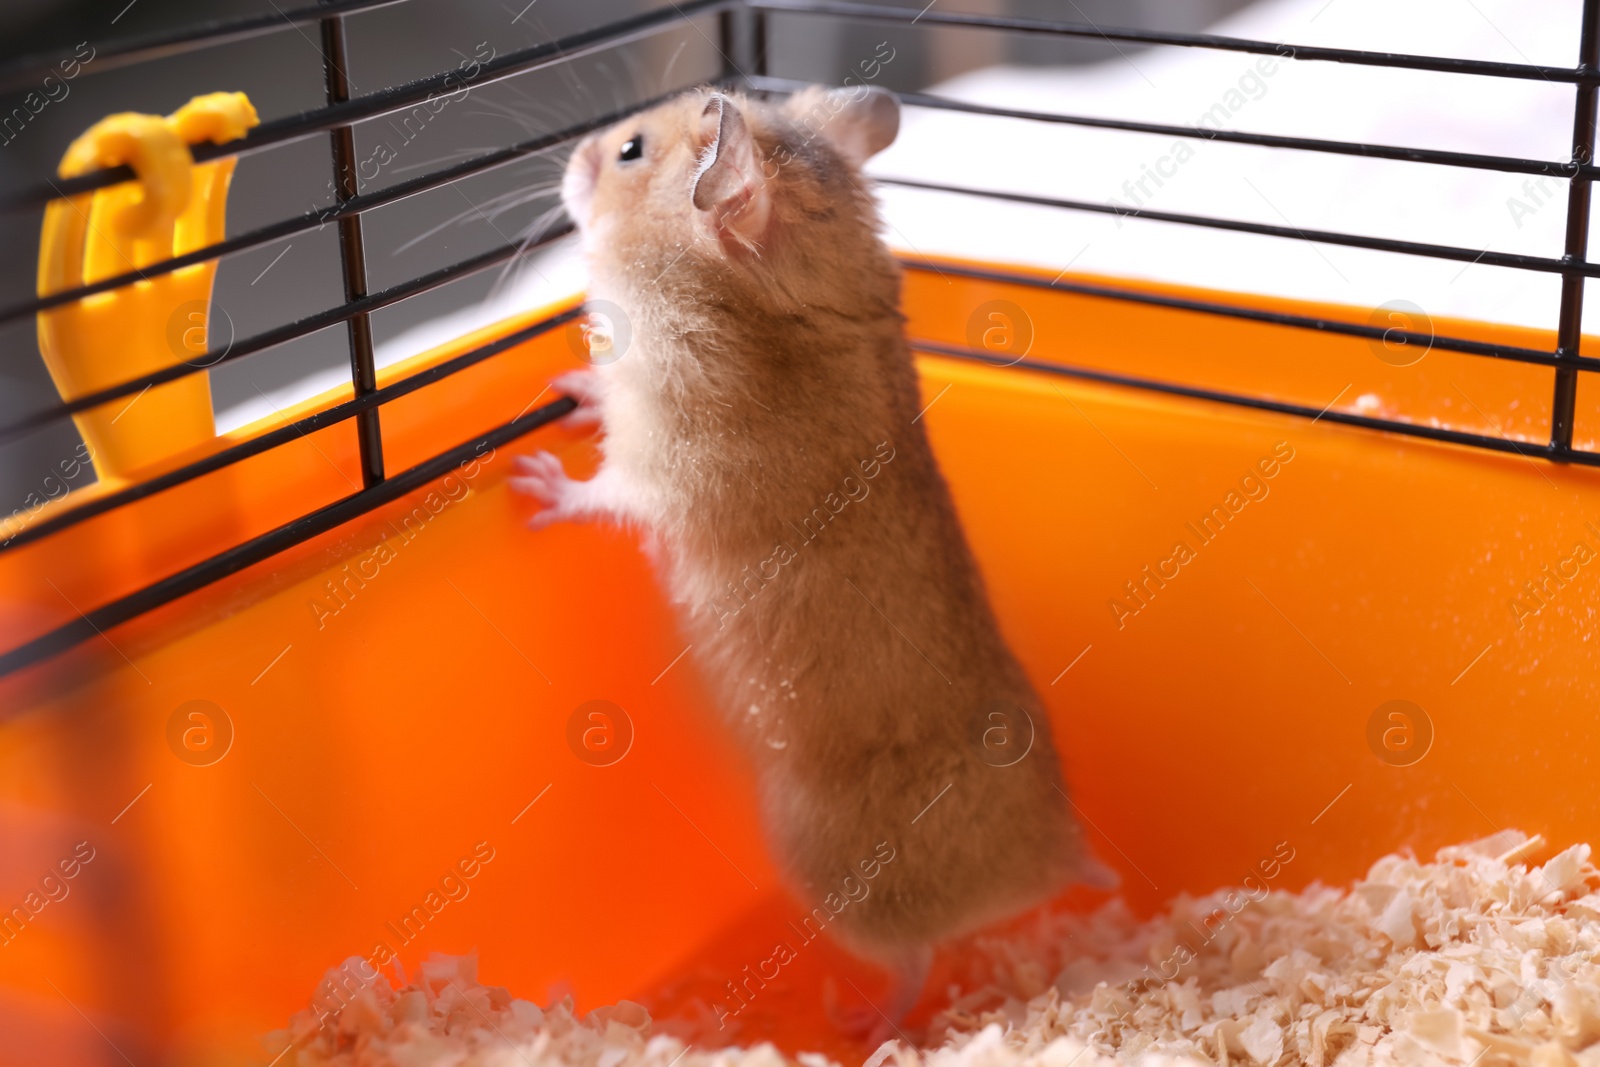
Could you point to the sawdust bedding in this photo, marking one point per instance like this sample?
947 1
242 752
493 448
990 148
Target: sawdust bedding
1480 958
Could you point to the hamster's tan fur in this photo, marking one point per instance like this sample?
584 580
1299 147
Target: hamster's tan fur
762 427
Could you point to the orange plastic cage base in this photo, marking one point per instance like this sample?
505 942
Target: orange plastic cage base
383 733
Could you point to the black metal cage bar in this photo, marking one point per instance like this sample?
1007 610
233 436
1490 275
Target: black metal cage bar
352 252
1472 160
281 334
318 218
1570 324
744 33
148 47
1400 60
91 624
283 434
384 101
1565 266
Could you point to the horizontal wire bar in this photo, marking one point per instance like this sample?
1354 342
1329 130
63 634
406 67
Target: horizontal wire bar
1513 353
269 544
330 516
315 220
399 97
1473 160
369 201
24 72
348 409
1411 429
372 105
1514 260
1402 60
320 420
281 334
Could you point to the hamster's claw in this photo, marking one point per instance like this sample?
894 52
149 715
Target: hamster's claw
542 477
584 387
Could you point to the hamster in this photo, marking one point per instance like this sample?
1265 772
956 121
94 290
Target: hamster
762 427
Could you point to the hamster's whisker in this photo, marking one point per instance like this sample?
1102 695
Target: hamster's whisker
432 230
509 202
566 72
556 211
541 225
543 188
636 79
448 157
616 95
561 109
530 235
666 75
529 198
489 209
496 109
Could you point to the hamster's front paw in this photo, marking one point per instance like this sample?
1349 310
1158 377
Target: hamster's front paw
542 477
583 386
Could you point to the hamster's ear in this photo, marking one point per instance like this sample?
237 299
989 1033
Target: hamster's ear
859 122
728 186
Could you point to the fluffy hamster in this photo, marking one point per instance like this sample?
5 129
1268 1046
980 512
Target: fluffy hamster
762 428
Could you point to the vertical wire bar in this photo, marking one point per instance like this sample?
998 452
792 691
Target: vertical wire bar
352 253
744 41
759 59
1569 329
729 42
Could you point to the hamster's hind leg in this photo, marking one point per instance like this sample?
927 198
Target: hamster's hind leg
878 1023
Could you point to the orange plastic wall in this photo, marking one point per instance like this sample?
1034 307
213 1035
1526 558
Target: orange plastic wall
376 747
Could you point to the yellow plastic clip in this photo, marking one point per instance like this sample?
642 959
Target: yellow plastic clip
103 340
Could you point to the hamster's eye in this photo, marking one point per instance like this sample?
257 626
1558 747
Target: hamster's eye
633 149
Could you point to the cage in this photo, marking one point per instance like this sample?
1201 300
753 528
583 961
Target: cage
268 686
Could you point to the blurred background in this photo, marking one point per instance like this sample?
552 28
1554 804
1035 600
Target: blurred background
282 73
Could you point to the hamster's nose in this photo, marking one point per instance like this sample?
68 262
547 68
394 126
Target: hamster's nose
577 185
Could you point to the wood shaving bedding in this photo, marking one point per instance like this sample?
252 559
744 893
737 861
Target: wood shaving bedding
1477 959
